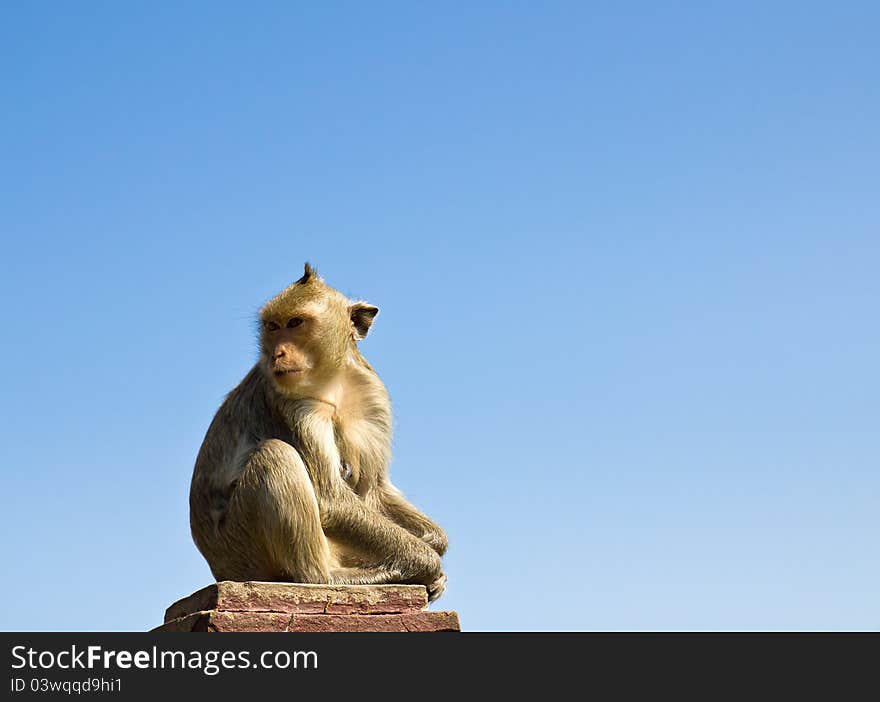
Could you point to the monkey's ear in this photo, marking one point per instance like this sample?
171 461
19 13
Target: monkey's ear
309 274
362 315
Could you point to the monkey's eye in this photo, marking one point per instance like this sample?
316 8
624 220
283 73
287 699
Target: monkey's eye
270 326
294 322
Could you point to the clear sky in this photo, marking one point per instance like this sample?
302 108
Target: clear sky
627 257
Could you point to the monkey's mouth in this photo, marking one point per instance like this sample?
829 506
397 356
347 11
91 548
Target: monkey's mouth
287 371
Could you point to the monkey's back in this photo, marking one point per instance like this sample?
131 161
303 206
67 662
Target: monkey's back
243 420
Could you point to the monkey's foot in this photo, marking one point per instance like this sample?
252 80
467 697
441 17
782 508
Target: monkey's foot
436 588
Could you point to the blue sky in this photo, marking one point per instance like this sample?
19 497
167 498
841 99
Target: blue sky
627 260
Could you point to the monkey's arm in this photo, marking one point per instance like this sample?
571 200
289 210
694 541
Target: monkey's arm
344 515
398 509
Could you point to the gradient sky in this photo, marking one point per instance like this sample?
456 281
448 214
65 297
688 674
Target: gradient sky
627 257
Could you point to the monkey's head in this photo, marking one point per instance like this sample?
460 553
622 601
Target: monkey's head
307 334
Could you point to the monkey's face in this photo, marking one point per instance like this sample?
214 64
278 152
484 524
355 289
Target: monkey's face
307 333
285 349
299 346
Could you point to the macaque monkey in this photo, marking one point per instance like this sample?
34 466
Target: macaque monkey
291 482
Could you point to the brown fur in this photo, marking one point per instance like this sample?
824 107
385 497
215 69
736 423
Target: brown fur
291 482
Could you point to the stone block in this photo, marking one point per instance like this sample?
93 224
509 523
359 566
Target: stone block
285 607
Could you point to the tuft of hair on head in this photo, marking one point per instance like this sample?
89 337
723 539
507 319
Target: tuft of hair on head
308 276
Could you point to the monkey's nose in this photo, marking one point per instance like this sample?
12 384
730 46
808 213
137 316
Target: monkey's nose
279 353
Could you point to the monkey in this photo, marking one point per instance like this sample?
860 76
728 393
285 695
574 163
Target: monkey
291 481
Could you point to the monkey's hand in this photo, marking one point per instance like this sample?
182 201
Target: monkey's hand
436 540
437 588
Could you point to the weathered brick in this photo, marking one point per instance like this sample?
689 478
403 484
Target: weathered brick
214 621
299 598
409 621
241 621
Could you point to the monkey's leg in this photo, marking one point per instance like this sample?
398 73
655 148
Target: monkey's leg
272 528
351 566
